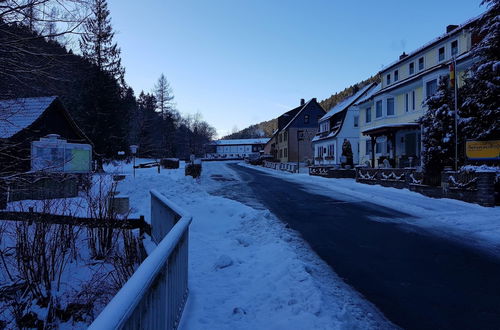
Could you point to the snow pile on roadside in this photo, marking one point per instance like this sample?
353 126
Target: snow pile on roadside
247 270
470 223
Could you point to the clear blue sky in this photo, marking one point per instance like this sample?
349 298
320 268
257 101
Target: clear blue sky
241 62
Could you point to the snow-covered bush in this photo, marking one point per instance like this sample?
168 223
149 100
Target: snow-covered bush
480 109
438 130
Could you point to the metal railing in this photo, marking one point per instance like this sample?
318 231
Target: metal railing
155 295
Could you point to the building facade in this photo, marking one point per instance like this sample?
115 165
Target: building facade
388 118
337 128
296 129
235 149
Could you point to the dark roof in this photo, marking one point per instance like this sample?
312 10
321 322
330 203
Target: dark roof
18 114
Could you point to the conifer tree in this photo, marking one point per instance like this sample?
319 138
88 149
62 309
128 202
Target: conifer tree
480 111
438 130
165 106
97 43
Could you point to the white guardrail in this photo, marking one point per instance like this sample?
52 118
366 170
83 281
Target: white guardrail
155 295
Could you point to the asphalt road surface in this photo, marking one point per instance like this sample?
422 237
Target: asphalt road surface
419 281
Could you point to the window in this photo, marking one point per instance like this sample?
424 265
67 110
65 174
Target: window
390 107
285 152
396 75
285 136
431 88
368 150
281 153
368 117
441 54
413 100
378 109
407 102
378 147
281 137
356 121
306 119
421 64
388 79
454 48
331 149
411 68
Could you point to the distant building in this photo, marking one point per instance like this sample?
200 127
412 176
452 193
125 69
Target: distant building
235 149
296 128
388 118
338 127
24 121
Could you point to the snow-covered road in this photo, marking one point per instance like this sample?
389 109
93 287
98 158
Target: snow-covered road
247 269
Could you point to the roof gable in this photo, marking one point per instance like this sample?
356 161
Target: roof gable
301 109
347 102
18 114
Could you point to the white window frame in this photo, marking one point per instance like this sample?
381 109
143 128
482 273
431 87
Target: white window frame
444 53
368 111
458 47
418 63
387 106
382 109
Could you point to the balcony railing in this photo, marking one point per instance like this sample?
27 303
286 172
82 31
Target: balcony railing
155 295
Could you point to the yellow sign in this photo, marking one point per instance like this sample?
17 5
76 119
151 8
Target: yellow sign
483 150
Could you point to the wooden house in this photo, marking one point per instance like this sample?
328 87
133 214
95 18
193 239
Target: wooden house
26 120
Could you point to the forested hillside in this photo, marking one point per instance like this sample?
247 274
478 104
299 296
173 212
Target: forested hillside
262 129
330 102
34 61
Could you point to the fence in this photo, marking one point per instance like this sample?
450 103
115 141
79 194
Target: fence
155 295
288 167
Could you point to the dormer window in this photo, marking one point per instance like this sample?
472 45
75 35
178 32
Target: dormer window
411 68
454 48
396 75
441 54
388 79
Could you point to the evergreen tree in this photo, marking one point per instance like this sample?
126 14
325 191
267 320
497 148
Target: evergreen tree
438 130
97 43
164 97
480 111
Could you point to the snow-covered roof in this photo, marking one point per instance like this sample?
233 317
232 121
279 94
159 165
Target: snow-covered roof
240 142
18 114
434 41
368 95
345 103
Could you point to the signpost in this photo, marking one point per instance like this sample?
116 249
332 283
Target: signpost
300 137
483 150
133 150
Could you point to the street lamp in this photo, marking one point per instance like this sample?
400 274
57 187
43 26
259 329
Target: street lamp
133 150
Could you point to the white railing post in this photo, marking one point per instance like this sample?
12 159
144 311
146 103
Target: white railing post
155 295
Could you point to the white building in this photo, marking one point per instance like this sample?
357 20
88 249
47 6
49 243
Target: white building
235 149
340 125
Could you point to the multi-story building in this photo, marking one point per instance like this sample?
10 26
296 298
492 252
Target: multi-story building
292 140
338 127
388 118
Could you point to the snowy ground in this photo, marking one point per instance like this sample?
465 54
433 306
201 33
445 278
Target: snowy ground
247 270
470 223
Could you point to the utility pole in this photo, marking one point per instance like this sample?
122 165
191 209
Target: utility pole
453 72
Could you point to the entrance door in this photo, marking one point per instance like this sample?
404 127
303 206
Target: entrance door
411 144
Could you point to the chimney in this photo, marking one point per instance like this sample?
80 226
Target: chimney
450 28
403 56
314 99
302 101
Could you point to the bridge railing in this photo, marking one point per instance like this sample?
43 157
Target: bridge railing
155 295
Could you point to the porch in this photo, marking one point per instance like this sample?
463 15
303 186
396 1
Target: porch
394 145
